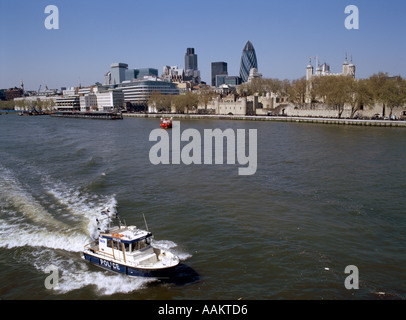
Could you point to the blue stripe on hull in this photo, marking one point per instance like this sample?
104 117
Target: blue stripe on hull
116 267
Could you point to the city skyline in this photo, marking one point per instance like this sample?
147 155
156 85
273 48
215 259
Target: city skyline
145 35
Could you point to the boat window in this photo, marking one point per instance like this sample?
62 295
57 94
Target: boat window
141 244
137 245
113 244
116 245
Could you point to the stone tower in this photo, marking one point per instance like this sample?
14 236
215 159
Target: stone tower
309 70
346 69
351 68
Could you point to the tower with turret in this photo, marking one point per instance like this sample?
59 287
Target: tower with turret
309 70
348 68
324 71
351 68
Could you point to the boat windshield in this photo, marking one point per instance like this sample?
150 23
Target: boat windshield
134 246
139 245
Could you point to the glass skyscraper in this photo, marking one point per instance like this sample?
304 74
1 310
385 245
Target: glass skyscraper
191 70
190 62
217 69
248 61
118 71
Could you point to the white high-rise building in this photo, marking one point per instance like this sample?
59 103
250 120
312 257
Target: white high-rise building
102 101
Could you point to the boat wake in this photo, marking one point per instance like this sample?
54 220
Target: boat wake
51 225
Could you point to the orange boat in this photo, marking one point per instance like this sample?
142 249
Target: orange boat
166 123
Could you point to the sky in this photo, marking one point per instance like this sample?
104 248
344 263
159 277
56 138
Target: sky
93 34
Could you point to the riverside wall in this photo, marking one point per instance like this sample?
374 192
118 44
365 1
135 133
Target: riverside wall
356 122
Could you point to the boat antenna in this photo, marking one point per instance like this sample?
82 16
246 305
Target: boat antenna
145 222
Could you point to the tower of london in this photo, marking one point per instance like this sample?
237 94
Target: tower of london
324 70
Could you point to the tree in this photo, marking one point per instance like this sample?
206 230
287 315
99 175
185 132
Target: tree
391 92
360 94
297 91
263 86
205 96
335 91
21 104
190 100
7 105
377 83
160 101
394 93
185 102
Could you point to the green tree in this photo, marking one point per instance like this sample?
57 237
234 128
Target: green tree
160 101
263 86
360 94
377 83
205 96
185 102
335 91
7 105
394 93
391 92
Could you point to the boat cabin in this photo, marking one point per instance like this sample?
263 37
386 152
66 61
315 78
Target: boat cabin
122 242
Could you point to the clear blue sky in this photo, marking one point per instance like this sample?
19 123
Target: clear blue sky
95 33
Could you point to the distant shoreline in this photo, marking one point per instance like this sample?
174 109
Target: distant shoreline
336 121
356 122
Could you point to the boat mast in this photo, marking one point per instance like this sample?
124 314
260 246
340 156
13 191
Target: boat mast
145 221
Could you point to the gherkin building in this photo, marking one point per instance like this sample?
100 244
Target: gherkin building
248 61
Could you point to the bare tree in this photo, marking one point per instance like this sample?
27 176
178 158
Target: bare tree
297 91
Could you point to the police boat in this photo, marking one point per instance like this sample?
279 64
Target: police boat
128 250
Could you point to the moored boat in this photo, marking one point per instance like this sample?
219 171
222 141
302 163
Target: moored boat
128 250
166 123
88 115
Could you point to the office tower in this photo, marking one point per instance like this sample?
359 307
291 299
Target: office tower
217 69
248 61
191 70
190 62
118 73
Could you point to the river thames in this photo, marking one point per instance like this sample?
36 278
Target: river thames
323 197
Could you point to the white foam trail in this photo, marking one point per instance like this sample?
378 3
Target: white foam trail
105 283
74 275
15 195
85 207
17 205
24 235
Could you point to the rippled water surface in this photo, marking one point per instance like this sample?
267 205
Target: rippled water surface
323 197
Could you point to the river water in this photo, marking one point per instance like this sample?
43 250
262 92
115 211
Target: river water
323 197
